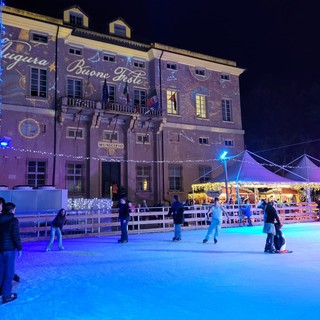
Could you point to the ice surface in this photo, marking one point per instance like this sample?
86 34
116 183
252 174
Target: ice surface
152 277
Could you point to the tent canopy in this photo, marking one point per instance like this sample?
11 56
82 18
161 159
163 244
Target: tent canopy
305 168
245 169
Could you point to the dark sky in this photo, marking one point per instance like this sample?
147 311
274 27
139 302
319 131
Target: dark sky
276 41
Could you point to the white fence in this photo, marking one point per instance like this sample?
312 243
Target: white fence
85 223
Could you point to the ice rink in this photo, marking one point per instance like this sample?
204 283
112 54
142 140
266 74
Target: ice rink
152 277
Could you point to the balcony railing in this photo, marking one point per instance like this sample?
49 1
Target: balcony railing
111 107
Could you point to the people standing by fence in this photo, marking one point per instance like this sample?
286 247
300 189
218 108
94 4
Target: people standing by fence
176 210
10 241
56 228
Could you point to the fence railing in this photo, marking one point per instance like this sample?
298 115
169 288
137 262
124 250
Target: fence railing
84 223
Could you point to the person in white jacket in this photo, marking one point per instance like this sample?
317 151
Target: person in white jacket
216 220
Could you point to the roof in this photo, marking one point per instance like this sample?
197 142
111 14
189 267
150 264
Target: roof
304 168
245 169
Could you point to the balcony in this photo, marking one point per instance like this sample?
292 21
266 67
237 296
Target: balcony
108 107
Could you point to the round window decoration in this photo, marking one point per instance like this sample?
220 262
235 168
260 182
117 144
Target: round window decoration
29 128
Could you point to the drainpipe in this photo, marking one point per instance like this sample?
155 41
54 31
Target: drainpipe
55 111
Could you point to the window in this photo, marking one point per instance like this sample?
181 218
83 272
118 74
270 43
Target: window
74 88
172 66
139 98
204 140
200 72
226 110
111 93
174 136
75 178
225 77
138 64
109 57
143 178
38 83
172 102
40 38
111 136
229 143
76 19
204 174
75 51
120 30
143 138
175 178
36 175
201 109
75 133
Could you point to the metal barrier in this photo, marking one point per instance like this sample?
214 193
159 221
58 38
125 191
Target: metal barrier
84 223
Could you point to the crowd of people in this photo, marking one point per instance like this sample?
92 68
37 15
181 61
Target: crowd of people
11 246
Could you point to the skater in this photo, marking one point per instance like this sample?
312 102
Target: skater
270 214
216 220
280 240
56 227
176 211
2 203
124 217
246 210
10 241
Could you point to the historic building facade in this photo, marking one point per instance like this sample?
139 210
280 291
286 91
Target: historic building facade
85 109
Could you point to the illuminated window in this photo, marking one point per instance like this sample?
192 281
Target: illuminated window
201 109
143 178
172 102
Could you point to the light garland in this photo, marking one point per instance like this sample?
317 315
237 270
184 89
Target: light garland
91 204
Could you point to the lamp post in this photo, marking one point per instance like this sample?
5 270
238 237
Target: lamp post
224 161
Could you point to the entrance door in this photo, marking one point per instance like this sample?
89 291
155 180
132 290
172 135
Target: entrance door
110 175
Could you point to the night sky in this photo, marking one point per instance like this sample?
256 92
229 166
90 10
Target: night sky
276 41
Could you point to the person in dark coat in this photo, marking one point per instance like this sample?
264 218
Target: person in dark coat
56 227
270 215
176 211
124 217
10 241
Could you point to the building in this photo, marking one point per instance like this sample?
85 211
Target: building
85 109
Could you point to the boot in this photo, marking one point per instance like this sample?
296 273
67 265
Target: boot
272 248
267 247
